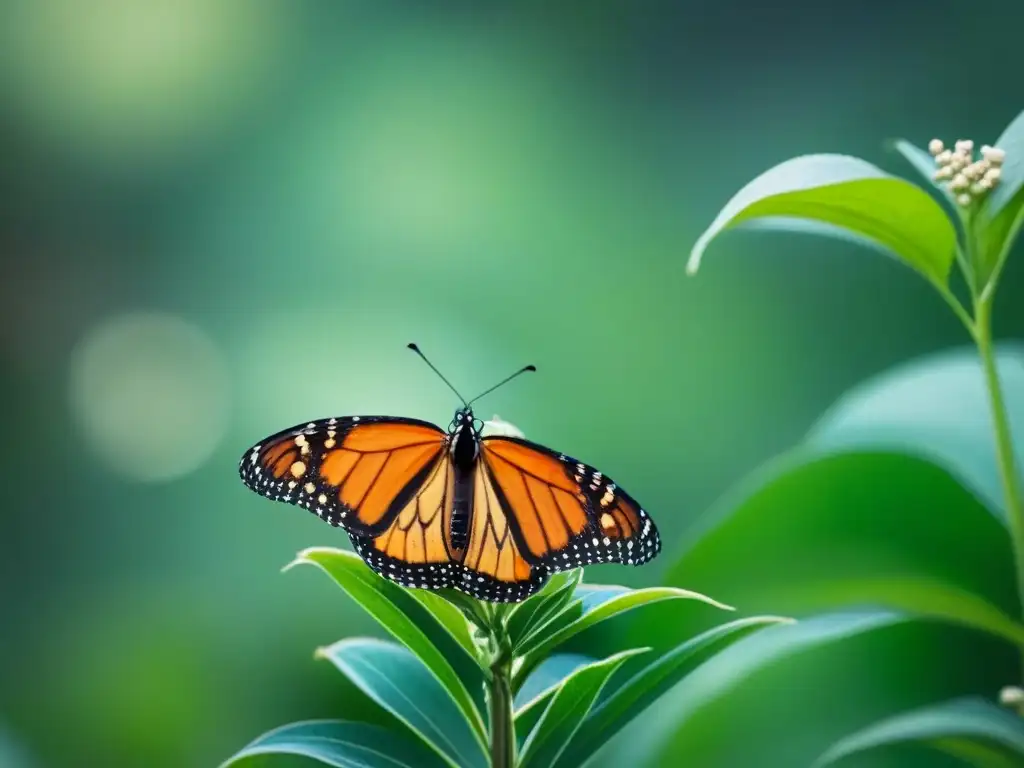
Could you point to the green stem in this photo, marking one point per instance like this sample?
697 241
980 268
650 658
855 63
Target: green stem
503 735
1005 458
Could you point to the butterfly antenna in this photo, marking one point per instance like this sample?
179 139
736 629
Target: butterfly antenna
503 381
416 349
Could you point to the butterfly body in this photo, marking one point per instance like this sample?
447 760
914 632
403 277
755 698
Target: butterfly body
491 516
464 440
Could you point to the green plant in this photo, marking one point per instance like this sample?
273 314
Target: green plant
473 684
907 495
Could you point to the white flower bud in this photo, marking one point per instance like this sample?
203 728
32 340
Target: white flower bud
994 155
963 200
993 174
959 182
943 173
959 161
973 172
1011 696
943 157
498 426
965 146
935 146
979 188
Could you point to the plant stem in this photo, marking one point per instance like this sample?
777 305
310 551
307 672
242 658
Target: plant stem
1005 458
503 735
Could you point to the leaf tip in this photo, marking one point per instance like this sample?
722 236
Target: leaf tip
693 263
299 560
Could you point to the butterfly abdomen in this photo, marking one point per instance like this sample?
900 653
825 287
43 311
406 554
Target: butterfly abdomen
461 504
464 457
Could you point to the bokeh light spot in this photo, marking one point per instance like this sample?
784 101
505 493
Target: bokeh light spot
127 78
150 392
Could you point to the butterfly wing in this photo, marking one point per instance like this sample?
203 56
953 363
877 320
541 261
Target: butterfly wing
357 472
493 567
388 482
415 549
562 513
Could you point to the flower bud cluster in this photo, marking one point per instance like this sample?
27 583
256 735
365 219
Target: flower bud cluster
966 177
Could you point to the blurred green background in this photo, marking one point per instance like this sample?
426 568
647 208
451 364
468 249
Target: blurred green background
223 217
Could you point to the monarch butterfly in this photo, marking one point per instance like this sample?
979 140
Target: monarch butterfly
490 516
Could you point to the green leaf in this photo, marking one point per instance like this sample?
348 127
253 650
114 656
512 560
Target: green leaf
409 622
1002 213
935 407
548 674
922 162
607 609
339 743
641 691
393 677
532 699
666 737
972 727
852 529
449 616
849 197
532 613
567 709
1012 180
540 632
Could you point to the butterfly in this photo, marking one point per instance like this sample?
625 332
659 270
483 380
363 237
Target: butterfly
492 516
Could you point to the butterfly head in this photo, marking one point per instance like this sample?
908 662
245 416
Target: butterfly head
465 421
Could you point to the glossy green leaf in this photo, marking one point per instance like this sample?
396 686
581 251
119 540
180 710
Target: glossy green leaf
819 533
642 690
409 622
921 161
846 196
1011 141
619 604
532 699
566 710
341 744
935 407
682 720
1001 215
996 235
393 677
530 614
539 633
966 727
548 674
449 616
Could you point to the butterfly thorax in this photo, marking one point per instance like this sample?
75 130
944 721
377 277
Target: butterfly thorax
464 444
